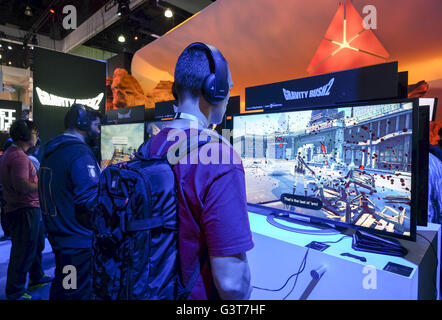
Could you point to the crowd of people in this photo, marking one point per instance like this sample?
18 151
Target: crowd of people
58 196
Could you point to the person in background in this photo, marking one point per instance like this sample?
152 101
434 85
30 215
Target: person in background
435 182
23 216
32 154
68 189
435 185
6 236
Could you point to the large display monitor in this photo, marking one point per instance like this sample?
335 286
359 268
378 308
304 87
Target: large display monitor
119 142
352 166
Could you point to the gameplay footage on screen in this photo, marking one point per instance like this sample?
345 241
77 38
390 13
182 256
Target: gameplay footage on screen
119 142
348 164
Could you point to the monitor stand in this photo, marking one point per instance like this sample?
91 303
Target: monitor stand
321 228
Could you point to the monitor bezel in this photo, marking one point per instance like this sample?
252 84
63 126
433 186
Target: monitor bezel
414 211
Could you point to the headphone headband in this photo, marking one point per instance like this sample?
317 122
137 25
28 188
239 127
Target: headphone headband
215 86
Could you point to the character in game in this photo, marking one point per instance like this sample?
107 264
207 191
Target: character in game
300 171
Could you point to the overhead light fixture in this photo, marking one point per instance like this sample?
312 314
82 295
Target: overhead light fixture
136 38
28 11
9 62
0 55
168 13
9 47
121 39
52 11
123 7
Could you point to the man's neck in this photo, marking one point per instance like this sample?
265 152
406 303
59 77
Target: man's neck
22 145
75 133
191 107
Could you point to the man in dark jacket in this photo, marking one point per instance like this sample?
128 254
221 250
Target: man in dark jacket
68 189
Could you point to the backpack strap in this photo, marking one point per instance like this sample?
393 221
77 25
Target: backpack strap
145 224
195 275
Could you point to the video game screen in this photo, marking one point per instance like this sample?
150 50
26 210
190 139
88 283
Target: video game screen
153 127
119 142
346 164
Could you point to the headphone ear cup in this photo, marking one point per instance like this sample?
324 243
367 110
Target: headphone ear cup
208 89
82 120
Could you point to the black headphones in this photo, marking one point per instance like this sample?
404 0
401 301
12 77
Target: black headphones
83 122
215 86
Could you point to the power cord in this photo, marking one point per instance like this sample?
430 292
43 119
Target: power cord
300 270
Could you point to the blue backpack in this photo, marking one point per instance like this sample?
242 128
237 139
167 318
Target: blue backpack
135 243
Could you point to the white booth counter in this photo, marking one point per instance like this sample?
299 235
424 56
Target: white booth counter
278 255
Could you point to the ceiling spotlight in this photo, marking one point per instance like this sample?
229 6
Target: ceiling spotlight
121 39
9 47
168 13
52 11
136 38
28 11
9 62
32 47
123 7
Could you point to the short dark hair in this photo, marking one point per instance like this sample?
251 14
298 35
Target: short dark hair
192 67
71 117
21 130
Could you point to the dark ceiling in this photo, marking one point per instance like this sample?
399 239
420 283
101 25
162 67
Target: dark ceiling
12 12
140 27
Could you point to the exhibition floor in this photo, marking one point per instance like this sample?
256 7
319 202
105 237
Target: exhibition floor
48 266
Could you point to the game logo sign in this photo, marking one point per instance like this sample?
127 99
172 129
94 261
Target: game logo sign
350 165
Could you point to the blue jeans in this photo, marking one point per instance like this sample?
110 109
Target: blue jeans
27 236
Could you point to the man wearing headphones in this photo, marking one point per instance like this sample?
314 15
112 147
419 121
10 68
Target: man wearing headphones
23 216
214 227
68 189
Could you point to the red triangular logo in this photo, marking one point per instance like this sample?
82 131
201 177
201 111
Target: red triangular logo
347 44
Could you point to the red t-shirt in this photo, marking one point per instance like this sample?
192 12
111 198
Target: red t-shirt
15 164
212 213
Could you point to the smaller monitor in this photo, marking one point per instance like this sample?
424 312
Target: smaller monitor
119 142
